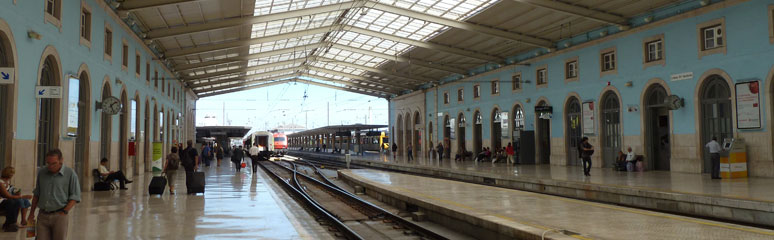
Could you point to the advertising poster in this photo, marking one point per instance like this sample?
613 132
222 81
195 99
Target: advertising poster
748 111
452 128
72 107
504 126
158 157
588 118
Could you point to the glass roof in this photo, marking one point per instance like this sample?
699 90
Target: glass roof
361 17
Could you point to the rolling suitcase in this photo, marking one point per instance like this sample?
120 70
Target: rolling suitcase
157 185
194 182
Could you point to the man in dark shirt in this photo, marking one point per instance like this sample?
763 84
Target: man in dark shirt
191 159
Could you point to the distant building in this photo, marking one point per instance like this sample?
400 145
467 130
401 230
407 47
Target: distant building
290 128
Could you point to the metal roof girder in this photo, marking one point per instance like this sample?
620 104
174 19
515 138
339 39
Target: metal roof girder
359 78
507 35
239 21
427 45
243 43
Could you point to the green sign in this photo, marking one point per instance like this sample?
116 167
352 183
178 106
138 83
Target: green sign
158 156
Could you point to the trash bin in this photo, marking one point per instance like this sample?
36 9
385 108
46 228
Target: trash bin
733 162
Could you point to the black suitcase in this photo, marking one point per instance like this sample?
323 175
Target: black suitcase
194 182
157 185
102 186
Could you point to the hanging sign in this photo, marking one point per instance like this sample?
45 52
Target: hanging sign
452 128
748 109
6 75
504 126
48 91
588 118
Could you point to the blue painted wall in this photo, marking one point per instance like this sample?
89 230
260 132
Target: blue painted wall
28 15
748 57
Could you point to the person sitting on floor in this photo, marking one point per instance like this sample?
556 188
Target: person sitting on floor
112 175
12 200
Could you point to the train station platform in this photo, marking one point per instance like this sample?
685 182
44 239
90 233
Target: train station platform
234 206
749 200
499 213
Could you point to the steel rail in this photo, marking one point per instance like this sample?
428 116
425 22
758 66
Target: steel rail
343 228
397 219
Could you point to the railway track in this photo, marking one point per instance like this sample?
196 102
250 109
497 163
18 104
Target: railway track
347 215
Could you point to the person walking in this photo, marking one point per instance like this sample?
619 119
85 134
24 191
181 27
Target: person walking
57 191
509 152
394 151
207 154
440 151
219 153
715 149
236 157
588 150
410 152
190 160
170 168
254 151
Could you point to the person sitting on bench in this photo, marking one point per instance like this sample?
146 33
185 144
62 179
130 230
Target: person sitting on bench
12 201
112 175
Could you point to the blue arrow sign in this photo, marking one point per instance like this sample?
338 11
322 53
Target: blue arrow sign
41 92
5 75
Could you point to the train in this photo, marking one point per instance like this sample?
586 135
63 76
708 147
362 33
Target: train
272 143
375 141
280 143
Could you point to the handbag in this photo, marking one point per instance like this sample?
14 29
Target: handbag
244 165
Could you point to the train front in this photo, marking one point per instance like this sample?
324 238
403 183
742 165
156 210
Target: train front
280 144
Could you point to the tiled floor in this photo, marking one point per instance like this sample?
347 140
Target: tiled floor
754 188
592 220
235 206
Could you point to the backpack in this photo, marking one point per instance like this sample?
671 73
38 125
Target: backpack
187 161
173 162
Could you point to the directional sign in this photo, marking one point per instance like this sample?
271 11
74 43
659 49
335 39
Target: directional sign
48 91
6 75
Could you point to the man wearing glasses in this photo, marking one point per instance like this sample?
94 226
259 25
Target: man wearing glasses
56 192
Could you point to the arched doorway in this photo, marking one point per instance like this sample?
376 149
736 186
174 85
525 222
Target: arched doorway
543 135
84 126
407 127
6 100
147 139
518 127
477 132
48 115
496 130
106 128
611 128
715 114
123 127
417 137
399 133
573 130
461 133
657 129
430 136
446 136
